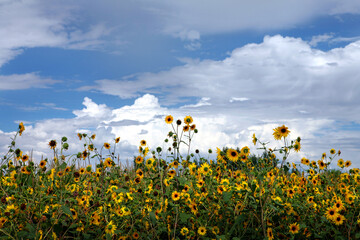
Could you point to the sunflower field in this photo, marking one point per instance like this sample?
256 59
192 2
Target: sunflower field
166 194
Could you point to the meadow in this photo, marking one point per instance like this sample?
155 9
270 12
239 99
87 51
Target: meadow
166 194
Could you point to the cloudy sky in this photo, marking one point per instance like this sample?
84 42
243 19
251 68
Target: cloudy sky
117 68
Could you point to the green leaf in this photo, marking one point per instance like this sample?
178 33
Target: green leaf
226 196
66 210
152 218
184 217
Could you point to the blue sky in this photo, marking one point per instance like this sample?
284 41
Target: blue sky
117 68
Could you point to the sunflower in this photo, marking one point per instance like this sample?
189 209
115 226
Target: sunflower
79 136
2 221
107 145
139 159
171 173
332 151
331 213
24 158
82 170
175 196
245 150
184 231
117 140
349 198
169 119
305 161
74 213
110 228
84 154
143 143
270 234
339 205
254 139
321 164
297 146
52 144
192 127
186 128
21 128
93 136
294 228
137 180
108 162
188 120
280 132
340 163
348 163
339 219
232 154
202 231
135 235
139 173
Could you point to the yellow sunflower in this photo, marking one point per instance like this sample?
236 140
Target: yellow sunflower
232 154
110 228
202 231
294 228
169 119
107 145
188 120
175 196
270 234
280 132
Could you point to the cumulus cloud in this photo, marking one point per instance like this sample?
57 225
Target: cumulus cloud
144 119
283 75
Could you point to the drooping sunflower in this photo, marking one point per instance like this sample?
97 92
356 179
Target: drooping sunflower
107 145
175 196
79 136
254 139
294 228
202 231
169 119
232 154
21 128
52 144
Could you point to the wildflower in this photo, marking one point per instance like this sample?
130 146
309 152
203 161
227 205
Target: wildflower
186 128
202 231
184 231
21 128
169 119
270 234
93 136
84 154
280 132
188 120
305 161
117 140
349 198
245 150
254 139
74 213
294 228
321 164
79 136
348 163
193 127
331 213
24 158
52 144
340 163
143 143
108 162
110 228
175 196
107 145
297 146
139 159
339 219
135 235
2 221
232 155
332 151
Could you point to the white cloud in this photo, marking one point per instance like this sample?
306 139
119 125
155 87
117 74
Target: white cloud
24 81
145 120
320 38
237 99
